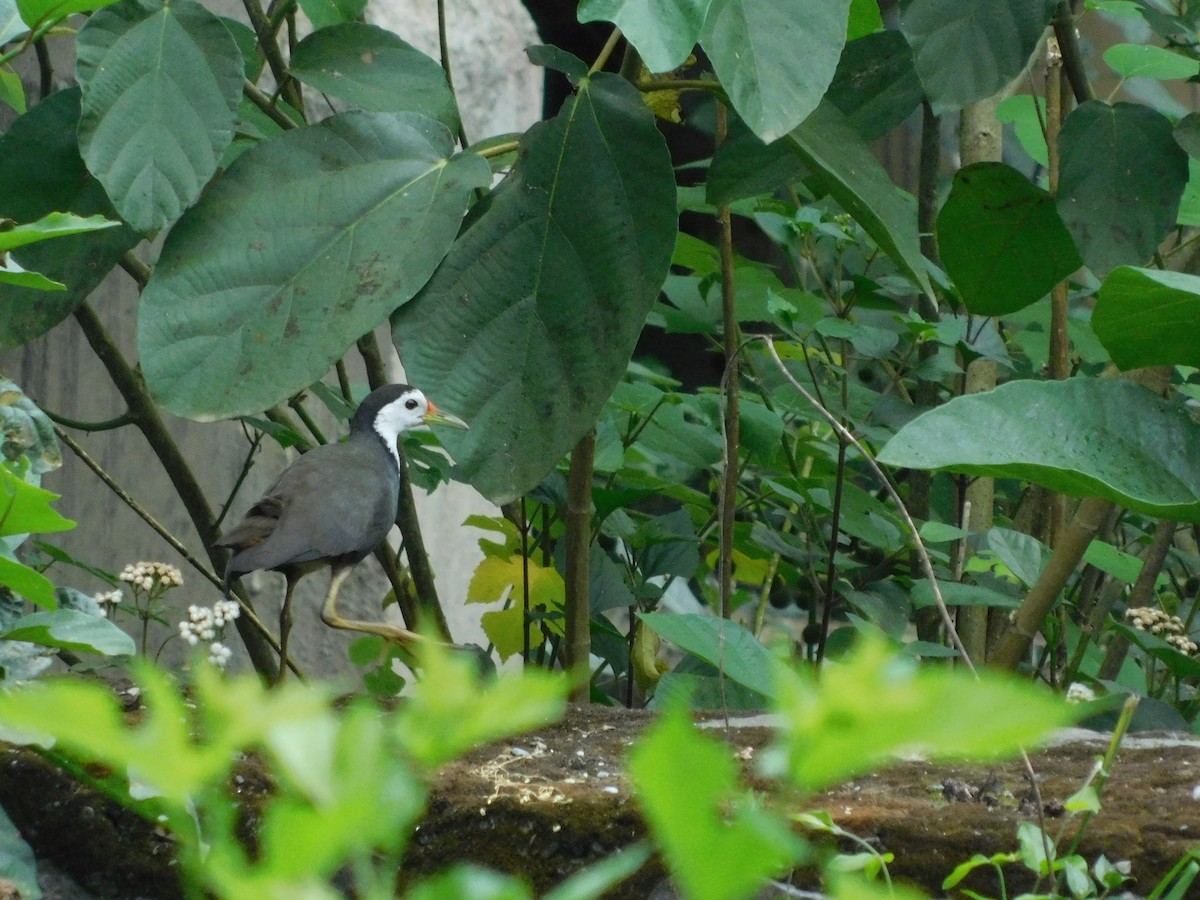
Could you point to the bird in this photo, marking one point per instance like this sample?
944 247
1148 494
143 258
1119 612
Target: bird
333 507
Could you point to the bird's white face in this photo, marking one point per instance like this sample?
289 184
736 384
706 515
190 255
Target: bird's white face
405 412
409 410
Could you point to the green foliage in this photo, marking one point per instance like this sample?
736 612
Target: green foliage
1142 317
1108 152
774 60
375 70
288 235
664 31
966 52
878 705
855 179
17 865
1003 433
349 187
1001 240
350 782
41 173
549 340
177 73
69 629
717 841
49 226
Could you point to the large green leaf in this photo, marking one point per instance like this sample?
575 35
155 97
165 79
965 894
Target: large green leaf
1001 239
968 51
876 84
304 245
1148 317
873 706
70 629
719 843
719 642
35 12
663 31
52 225
775 60
372 68
1122 177
1082 436
529 324
1149 61
849 171
41 173
161 85
29 583
26 509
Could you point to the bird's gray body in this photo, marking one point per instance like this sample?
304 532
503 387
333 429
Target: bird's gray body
333 506
304 521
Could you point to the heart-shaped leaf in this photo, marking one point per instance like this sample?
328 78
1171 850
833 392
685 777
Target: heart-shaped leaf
372 68
1001 240
1111 154
663 31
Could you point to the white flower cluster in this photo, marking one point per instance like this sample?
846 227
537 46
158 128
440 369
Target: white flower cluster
1168 627
148 575
206 624
109 599
218 654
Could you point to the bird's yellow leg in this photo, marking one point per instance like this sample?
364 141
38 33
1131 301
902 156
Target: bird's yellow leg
329 615
285 626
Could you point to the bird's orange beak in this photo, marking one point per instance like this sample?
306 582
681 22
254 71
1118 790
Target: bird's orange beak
436 416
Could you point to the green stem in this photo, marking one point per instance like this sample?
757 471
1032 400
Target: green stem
263 102
731 413
270 48
498 149
578 519
606 51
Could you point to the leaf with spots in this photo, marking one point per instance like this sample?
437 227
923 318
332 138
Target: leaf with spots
305 244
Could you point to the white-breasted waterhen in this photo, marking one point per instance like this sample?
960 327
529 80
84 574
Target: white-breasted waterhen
333 507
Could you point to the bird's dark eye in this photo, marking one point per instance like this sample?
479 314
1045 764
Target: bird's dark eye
410 404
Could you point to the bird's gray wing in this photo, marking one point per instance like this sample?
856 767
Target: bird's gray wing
335 501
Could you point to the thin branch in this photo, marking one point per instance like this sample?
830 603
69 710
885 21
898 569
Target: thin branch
265 33
132 389
135 268
606 51
730 384
1068 43
263 102
845 434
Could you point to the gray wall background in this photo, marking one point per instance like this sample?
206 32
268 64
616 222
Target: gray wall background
499 92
